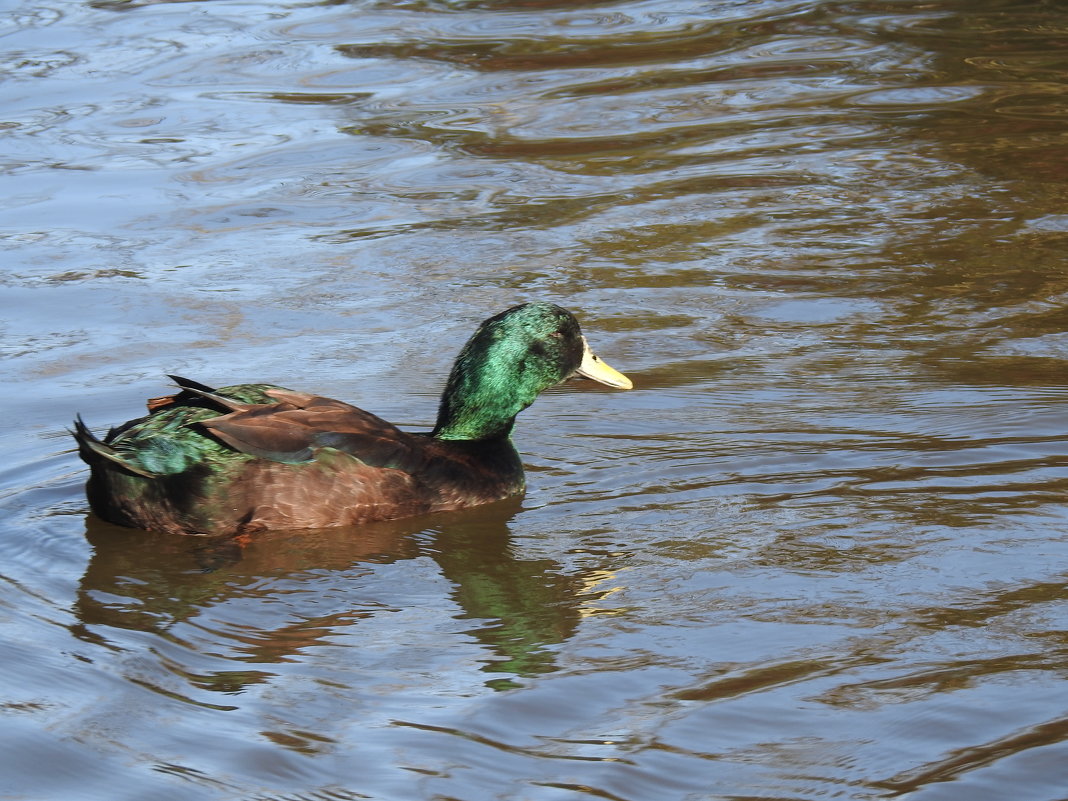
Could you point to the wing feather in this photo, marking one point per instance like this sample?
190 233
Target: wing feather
299 425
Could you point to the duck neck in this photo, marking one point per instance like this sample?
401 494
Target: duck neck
482 397
472 410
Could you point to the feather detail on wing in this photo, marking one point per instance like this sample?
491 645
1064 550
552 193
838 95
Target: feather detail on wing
297 427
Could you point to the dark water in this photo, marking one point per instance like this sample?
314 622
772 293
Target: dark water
819 551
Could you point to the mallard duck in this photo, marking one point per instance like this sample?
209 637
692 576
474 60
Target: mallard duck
251 457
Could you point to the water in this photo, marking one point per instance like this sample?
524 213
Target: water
818 552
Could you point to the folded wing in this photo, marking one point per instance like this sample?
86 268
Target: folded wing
300 425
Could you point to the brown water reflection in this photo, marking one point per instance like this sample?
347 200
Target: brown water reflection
817 552
519 608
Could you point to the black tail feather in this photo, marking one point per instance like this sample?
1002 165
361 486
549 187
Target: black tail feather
194 389
189 383
92 450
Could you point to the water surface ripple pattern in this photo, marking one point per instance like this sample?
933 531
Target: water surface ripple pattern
818 552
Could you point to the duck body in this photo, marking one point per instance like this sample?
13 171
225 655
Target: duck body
258 456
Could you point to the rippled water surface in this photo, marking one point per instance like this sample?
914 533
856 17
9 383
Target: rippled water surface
818 552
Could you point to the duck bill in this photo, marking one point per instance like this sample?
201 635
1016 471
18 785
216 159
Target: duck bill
593 367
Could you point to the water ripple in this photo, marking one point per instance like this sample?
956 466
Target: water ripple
816 552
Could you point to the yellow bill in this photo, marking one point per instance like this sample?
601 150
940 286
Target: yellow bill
593 367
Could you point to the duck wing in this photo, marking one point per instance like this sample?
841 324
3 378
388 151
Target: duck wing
299 425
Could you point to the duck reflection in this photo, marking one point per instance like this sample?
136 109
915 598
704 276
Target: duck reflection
519 607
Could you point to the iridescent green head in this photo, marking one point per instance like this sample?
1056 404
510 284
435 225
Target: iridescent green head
509 361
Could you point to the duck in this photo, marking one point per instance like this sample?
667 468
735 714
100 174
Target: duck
254 457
